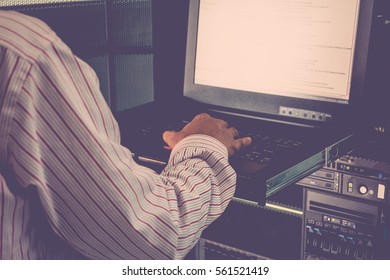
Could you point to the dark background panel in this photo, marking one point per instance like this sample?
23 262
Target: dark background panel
81 25
133 80
132 23
100 66
115 37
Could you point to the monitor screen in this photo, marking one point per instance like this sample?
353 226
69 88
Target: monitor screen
278 56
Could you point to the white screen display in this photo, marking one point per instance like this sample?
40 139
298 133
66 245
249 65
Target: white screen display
296 48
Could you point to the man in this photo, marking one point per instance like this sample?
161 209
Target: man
68 188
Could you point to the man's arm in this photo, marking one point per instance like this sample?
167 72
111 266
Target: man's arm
65 142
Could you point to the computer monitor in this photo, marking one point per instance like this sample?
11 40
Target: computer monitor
297 59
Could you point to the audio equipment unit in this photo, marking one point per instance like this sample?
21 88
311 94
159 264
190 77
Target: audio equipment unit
339 227
346 205
351 176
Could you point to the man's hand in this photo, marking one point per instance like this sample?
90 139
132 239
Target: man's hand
217 128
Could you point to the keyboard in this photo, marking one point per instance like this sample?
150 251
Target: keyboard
265 147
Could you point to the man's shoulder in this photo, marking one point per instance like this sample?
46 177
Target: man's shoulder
25 35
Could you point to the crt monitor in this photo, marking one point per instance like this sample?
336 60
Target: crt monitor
268 56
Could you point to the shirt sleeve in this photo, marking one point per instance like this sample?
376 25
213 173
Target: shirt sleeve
64 141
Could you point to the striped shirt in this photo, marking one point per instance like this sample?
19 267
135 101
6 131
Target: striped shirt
67 187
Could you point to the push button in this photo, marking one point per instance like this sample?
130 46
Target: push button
363 189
